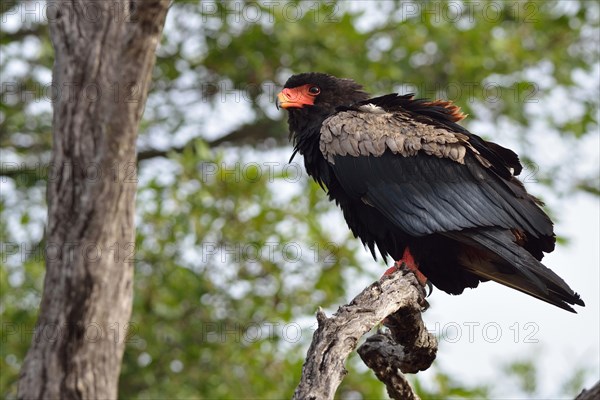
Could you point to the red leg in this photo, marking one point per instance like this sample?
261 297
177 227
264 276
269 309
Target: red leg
409 261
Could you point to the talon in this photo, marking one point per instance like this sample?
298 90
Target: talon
408 263
429 287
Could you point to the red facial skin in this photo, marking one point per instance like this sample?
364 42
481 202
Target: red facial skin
297 97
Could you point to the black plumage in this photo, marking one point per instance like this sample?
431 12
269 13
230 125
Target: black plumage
406 175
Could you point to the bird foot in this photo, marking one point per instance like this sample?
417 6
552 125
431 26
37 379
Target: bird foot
407 263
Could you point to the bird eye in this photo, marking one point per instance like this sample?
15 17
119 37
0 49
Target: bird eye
314 90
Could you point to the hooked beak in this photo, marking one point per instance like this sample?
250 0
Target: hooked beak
283 101
294 98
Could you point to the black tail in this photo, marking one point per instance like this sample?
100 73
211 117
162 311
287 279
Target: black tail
515 267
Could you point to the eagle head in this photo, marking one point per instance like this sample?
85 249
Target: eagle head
319 93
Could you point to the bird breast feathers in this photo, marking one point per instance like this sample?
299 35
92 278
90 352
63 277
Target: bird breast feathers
370 131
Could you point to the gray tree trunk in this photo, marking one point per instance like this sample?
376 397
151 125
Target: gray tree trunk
104 58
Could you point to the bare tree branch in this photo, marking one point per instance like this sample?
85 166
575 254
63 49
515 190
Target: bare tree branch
385 357
590 394
399 296
407 347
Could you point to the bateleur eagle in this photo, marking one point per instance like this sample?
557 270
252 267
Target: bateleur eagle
420 188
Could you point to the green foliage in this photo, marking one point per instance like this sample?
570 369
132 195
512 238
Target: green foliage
446 387
526 374
223 299
222 306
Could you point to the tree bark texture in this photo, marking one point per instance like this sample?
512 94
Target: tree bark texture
104 55
407 347
590 394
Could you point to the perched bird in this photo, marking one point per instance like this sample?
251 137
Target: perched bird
416 186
